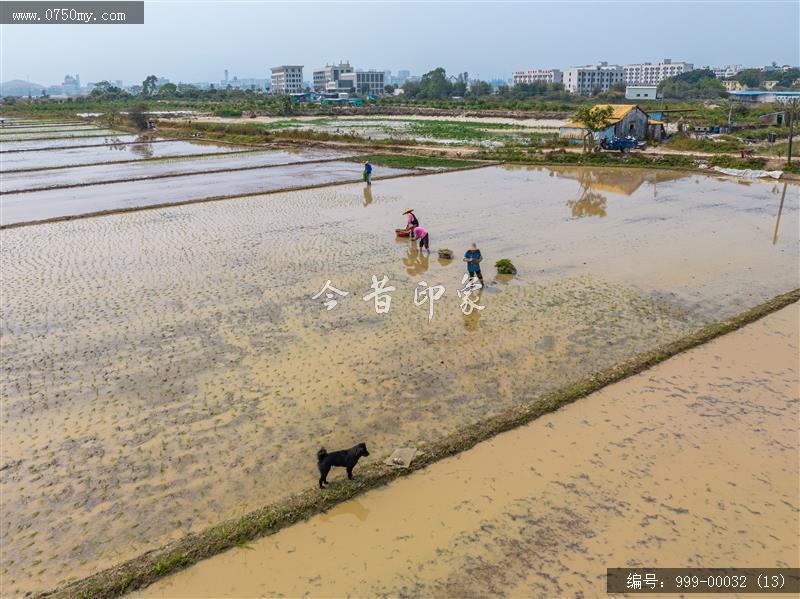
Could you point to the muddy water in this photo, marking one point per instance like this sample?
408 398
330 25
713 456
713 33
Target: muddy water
131 171
21 130
12 121
16 136
165 370
54 144
107 153
309 120
23 124
51 203
528 123
402 127
693 463
704 240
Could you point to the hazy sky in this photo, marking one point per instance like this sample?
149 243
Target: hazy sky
194 41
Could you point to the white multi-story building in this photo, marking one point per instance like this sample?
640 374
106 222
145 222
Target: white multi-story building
369 82
583 80
652 74
246 83
330 73
776 67
537 76
287 79
641 92
730 70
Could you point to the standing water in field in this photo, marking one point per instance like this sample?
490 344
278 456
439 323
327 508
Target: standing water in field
648 472
176 371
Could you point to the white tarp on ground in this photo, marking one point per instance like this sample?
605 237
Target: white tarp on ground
402 457
749 173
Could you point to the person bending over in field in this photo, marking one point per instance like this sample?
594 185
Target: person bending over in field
424 238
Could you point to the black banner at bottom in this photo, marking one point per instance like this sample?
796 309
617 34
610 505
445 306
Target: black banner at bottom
703 580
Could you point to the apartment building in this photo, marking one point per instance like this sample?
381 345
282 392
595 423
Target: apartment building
369 82
287 79
776 67
725 72
245 83
537 76
330 74
647 73
583 80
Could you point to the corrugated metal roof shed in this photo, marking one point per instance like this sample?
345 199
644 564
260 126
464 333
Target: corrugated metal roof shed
619 111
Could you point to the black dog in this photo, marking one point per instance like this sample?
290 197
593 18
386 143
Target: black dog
346 458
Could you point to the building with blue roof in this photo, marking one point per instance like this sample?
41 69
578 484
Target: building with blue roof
762 96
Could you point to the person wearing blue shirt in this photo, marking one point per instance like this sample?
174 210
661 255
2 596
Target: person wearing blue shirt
473 259
368 172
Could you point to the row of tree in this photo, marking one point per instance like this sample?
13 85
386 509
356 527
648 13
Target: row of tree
106 91
436 85
696 84
703 84
758 78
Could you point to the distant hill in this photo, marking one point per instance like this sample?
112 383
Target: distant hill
18 87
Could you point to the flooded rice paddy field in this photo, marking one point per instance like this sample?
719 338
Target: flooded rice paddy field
23 123
12 121
90 174
532 123
691 238
165 370
104 150
482 131
692 463
37 134
54 203
69 142
22 129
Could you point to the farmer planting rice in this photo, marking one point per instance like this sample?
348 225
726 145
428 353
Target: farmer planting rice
412 221
368 172
473 259
207 361
422 235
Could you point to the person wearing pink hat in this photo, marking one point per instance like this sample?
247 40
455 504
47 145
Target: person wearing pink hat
412 221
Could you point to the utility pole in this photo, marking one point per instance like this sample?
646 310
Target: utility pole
730 110
778 218
793 109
